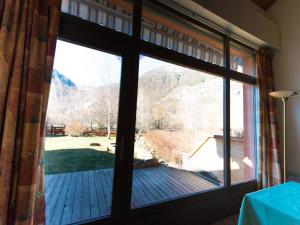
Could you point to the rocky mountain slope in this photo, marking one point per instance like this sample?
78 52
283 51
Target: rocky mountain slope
169 97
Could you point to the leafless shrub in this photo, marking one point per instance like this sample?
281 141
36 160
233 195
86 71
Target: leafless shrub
75 128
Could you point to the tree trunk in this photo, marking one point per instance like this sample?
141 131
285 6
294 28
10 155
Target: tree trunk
108 115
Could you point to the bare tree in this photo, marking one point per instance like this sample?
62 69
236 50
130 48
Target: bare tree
158 117
108 89
105 105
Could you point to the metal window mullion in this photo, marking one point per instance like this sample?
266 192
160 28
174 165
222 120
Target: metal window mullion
122 189
134 61
226 115
127 150
137 19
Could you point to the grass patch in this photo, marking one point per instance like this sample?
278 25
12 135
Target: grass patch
71 160
68 142
71 154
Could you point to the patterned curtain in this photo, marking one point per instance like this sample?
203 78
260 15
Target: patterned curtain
28 33
269 172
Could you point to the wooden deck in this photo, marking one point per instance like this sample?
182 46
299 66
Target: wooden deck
79 196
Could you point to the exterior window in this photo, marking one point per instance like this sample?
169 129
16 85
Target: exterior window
81 134
114 14
242 108
179 133
173 112
242 59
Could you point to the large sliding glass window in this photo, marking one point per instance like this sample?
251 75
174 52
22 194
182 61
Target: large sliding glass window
81 134
242 131
242 116
182 93
179 132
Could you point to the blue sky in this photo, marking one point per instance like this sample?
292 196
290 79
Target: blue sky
86 66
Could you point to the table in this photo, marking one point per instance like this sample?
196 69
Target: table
278 205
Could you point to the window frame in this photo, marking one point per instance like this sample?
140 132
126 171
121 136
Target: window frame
121 200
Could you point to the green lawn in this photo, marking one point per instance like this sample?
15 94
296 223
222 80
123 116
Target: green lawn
70 154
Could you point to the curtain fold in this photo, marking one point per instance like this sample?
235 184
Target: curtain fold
269 172
1 10
27 43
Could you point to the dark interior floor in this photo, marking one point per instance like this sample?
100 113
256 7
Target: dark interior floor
229 221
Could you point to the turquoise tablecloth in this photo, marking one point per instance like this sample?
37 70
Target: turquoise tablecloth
278 205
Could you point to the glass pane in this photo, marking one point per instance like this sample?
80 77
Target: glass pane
114 14
166 30
242 107
242 60
179 133
81 134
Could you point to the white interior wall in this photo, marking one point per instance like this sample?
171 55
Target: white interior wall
241 17
287 75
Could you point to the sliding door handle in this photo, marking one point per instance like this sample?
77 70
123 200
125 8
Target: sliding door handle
122 148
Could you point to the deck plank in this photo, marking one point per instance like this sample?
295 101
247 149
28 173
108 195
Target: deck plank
109 181
78 196
151 186
187 188
188 178
162 184
204 184
68 205
105 188
51 188
48 180
94 201
59 207
181 189
54 198
173 182
141 185
155 186
85 197
76 213
139 191
103 208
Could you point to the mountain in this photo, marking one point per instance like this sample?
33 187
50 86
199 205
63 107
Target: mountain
163 80
169 97
176 97
62 79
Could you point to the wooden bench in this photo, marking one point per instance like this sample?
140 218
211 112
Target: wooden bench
55 130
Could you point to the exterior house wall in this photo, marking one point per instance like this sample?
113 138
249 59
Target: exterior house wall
210 157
